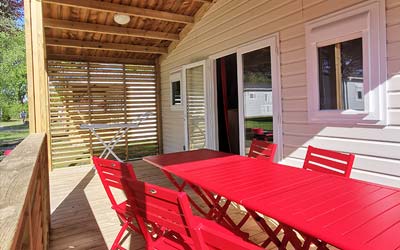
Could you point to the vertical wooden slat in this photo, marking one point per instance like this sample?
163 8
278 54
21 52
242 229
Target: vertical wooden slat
339 87
90 107
126 112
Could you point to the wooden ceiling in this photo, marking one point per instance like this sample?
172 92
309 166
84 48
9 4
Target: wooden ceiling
85 30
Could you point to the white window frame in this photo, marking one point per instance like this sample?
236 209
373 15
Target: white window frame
366 21
174 77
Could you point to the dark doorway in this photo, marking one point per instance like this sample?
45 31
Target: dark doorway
227 94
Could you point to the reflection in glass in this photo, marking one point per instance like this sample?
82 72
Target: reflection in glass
176 93
195 107
341 78
257 91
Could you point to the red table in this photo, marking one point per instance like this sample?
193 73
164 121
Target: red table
346 213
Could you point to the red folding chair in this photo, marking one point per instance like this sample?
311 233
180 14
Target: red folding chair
167 209
328 161
170 211
262 149
325 161
209 238
111 174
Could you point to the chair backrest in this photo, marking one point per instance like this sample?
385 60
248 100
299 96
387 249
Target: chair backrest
111 174
209 238
262 149
168 209
328 161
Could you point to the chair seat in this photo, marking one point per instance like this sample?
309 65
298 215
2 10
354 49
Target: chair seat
166 243
212 224
123 208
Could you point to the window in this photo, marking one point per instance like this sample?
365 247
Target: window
252 96
176 91
346 67
359 95
340 73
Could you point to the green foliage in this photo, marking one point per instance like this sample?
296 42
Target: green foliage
258 78
12 111
13 83
11 13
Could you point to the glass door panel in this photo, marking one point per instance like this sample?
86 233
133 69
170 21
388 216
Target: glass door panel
257 96
195 108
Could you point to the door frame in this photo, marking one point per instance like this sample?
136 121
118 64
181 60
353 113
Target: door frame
184 83
271 41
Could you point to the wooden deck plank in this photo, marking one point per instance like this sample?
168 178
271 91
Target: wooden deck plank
81 217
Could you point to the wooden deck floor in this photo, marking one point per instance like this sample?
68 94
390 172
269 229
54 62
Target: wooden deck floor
81 215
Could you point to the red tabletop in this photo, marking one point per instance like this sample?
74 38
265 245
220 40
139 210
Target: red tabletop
346 213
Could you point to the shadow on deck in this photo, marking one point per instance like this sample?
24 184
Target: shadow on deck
81 216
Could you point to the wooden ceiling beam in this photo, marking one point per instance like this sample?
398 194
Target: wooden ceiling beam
107 29
124 9
203 1
85 58
70 43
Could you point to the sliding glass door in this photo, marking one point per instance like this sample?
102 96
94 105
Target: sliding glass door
259 112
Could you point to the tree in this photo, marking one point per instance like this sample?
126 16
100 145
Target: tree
13 66
13 83
11 13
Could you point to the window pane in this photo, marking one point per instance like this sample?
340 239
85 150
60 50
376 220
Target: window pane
176 93
327 78
352 74
257 95
196 107
341 79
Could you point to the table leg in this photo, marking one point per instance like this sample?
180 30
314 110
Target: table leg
216 212
181 187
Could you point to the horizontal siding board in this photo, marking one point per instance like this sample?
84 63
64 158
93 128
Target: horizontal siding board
231 23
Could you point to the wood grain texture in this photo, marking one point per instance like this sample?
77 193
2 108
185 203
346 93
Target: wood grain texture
82 92
83 219
24 196
72 43
153 24
106 29
128 10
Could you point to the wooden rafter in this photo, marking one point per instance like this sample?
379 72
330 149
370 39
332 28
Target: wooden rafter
124 9
70 43
85 58
107 29
204 1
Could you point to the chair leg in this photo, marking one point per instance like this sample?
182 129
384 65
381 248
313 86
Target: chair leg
116 245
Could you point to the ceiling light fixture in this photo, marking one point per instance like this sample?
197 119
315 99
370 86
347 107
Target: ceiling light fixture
121 19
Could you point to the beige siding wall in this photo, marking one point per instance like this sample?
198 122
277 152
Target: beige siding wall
232 23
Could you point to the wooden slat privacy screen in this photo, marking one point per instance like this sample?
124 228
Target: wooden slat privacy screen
82 92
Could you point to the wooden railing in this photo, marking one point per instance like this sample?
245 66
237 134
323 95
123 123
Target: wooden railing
24 196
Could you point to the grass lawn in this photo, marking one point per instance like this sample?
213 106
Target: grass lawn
12 133
262 122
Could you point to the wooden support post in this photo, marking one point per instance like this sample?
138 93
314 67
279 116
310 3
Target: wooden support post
158 107
339 84
125 112
38 92
90 108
